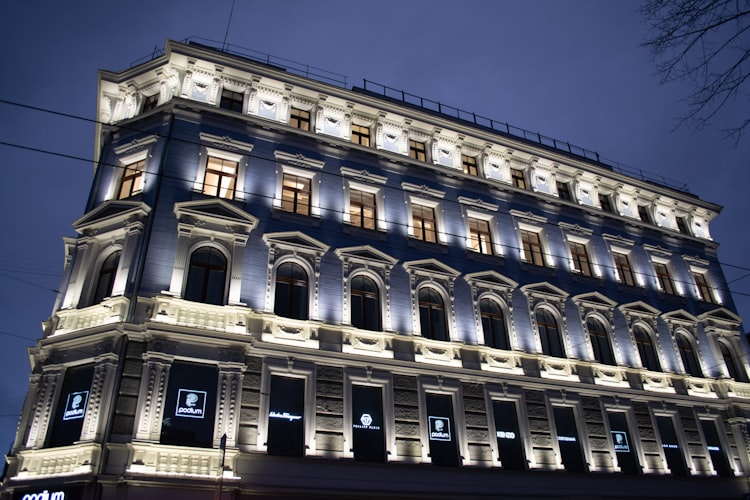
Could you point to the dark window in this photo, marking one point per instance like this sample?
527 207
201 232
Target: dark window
606 203
664 279
549 334
365 307
368 425
150 102
493 324
417 150
295 194
713 443
682 225
645 214
581 261
532 247
206 277
671 446
432 319
291 299
423 220
221 177
132 180
509 442
600 341
689 356
469 164
563 190
361 135
734 368
480 236
190 405
517 178
286 417
442 430
646 349
232 100
106 279
299 118
362 211
704 290
624 270
623 443
67 422
568 439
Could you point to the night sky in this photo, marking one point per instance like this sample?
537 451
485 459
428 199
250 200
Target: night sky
572 70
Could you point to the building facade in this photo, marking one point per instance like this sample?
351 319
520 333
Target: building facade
283 287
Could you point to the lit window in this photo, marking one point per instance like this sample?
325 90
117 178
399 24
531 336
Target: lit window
150 102
132 179
623 268
432 320
518 178
365 306
299 118
606 203
221 177
291 291
580 256
688 355
493 324
480 238
563 191
206 276
232 100
106 279
532 247
663 278
600 341
361 135
424 222
417 150
549 334
646 349
704 290
362 209
469 164
645 214
295 194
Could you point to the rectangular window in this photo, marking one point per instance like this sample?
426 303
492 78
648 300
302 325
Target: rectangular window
718 457
67 422
532 247
232 100
368 426
623 268
295 194
644 214
664 279
671 445
623 443
469 164
361 135
563 190
509 442
480 238
704 290
568 439
417 150
580 256
362 210
150 102
425 225
132 179
518 178
606 203
189 405
442 430
682 225
286 416
221 177
299 118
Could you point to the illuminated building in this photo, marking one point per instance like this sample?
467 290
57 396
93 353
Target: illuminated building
358 293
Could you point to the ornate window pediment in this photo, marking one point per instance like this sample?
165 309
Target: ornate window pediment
594 300
110 215
366 255
294 241
215 214
492 280
544 292
431 268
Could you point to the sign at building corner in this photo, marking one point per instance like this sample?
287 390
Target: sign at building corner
75 405
190 403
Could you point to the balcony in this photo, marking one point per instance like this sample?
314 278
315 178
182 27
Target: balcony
367 343
150 458
110 310
175 311
77 459
437 352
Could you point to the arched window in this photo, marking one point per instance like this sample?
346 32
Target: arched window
432 314
206 276
733 368
106 279
646 349
689 356
291 291
365 303
493 324
600 341
549 333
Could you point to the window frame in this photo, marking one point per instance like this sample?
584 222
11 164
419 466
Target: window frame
150 102
136 180
654 349
537 259
504 319
233 100
663 277
445 308
580 259
417 153
704 291
563 190
113 289
296 116
688 353
425 385
379 286
290 260
199 246
518 178
494 393
620 270
606 336
221 174
561 335
227 149
361 135
303 167
412 193
470 165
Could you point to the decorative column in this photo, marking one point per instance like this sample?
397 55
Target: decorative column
181 255
48 383
151 397
78 274
101 397
742 440
229 392
235 274
127 257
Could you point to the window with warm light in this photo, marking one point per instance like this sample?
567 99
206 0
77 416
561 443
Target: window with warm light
532 247
221 177
580 258
231 100
299 118
469 164
295 194
417 150
362 209
132 179
480 237
361 135
424 223
704 289
664 278
623 268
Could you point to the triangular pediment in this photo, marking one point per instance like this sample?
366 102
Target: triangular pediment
491 279
595 300
639 308
366 254
427 267
295 240
216 212
544 290
111 215
680 316
721 317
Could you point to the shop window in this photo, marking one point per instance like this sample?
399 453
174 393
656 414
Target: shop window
442 430
189 405
207 275
432 317
67 421
671 446
508 435
549 333
286 416
568 439
105 281
493 324
365 303
368 424
716 449
600 343
291 294
646 349
622 442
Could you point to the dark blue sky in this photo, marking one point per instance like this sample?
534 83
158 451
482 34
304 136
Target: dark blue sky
571 70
